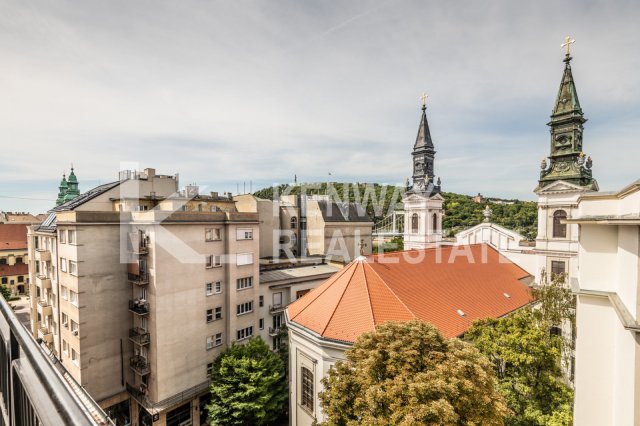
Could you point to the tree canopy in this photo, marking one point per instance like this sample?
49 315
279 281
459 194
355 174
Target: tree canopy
5 292
408 373
527 353
248 386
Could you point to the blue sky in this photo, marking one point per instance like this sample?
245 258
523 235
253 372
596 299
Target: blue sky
232 92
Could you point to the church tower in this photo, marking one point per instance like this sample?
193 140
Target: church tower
422 200
62 190
563 179
72 191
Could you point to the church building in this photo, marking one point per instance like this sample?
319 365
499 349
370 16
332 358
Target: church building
422 200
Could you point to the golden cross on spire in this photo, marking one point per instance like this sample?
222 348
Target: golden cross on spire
568 41
423 98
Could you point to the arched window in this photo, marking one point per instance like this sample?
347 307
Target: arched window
559 228
414 223
294 223
435 222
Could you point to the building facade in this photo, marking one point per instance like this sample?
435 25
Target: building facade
14 258
139 286
607 366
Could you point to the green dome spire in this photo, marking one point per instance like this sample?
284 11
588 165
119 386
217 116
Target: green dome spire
63 190
72 187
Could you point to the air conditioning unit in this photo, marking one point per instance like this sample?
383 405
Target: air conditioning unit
75 333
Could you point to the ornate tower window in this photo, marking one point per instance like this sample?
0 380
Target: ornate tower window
559 228
435 222
414 223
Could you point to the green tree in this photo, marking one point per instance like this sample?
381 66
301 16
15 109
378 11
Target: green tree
5 292
248 386
527 356
407 374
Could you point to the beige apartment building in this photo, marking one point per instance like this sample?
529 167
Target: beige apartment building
138 287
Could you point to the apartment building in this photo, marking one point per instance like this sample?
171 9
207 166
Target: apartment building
139 286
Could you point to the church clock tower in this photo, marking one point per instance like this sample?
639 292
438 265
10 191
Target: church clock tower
422 200
563 179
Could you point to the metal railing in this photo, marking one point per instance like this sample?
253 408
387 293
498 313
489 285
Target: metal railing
52 400
140 365
138 279
139 307
139 336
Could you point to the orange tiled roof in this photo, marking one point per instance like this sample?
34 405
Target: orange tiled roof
13 236
9 270
476 280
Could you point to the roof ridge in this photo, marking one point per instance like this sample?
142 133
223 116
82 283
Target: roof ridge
334 278
392 292
339 300
366 286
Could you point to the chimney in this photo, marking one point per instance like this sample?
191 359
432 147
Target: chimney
151 173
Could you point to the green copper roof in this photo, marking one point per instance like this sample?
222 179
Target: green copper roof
68 188
63 190
567 99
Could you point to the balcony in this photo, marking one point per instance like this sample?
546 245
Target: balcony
139 306
43 255
45 335
273 332
277 308
139 336
43 281
139 249
44 309
138 279
139 365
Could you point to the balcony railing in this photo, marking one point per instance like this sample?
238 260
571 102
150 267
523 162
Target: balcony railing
43 255
139 365
45 335
139 306
138 279
139 336
44 308
139 249
43 281
274 331
277 308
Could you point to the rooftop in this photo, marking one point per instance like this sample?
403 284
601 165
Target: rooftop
17 269
343 212
13 236
450 287
281 275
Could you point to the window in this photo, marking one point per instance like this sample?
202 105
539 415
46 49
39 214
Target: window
218 287
414 223
244 308
294 223
63 264
559 229
435 222
209 289
63 290
243 283
209 370
20 279
5 280
277 299
306 385
213 341
209 315
71 236
73 267
244 234
18 261
261 323
218 314
212 234
244 259
65 320
74 327
3 261
261 301
73 297
244 333
213 261
65 347
74 356
557 267
63 237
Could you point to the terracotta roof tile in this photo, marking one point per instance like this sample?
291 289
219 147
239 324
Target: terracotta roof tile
19 269
13 236
431 284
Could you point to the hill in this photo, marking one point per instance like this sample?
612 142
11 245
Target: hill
460 210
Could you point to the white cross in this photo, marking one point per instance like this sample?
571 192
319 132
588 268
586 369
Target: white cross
568 41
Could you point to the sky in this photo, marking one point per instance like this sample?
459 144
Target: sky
255 92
